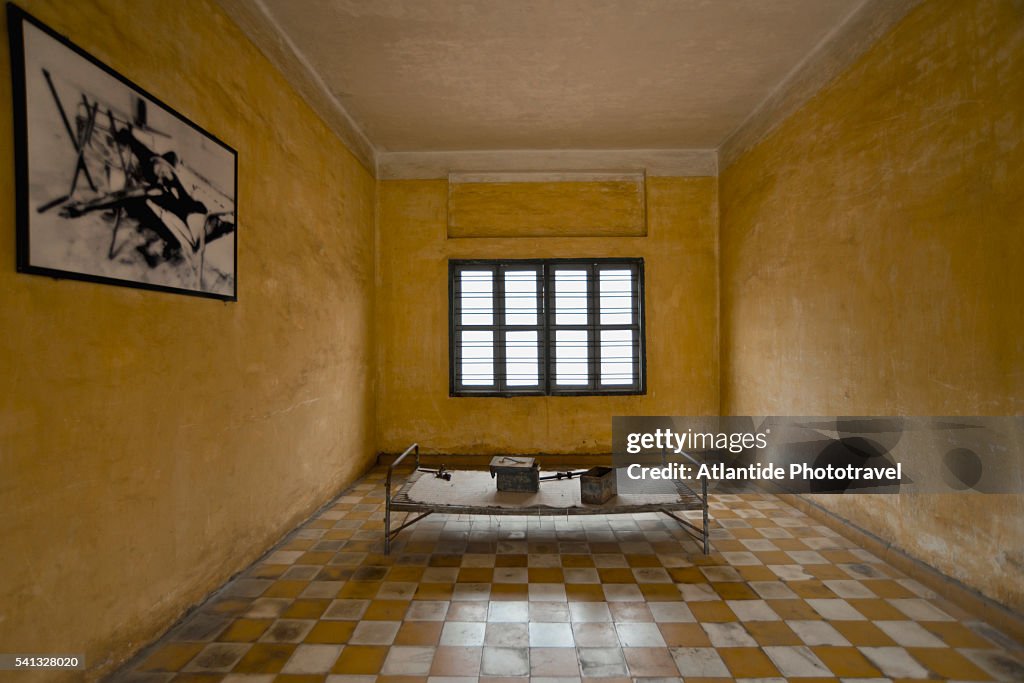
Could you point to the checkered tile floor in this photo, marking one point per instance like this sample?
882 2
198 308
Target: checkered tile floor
625 597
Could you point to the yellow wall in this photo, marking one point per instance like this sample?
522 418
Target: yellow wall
412 318
871 265
153 444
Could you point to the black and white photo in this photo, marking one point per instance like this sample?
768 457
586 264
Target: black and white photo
114 186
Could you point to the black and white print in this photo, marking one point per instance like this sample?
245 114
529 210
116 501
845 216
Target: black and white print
113 186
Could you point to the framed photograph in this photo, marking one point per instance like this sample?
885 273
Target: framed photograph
113 185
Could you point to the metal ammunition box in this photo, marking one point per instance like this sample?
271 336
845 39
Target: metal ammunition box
597 485
516 474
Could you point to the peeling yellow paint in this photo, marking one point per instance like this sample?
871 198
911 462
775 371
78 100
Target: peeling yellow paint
871 251
412 306
152 444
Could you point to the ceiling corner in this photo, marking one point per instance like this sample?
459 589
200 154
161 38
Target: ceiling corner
258 23
836 52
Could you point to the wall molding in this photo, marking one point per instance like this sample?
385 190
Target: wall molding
655 162
456 177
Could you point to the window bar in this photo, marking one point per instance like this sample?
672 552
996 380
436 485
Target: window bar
498 309
454 335
635 328
542 331
593 328
640 342
547 354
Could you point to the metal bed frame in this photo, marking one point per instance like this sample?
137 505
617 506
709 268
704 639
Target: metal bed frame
400 502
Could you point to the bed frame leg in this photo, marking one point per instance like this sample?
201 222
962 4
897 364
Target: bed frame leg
704 507
415 450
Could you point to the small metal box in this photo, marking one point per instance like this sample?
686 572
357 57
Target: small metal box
597 485
515 473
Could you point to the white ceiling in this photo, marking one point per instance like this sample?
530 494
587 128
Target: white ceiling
415 76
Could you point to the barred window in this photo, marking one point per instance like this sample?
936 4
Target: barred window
538 327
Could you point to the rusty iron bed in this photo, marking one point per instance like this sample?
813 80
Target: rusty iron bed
471 492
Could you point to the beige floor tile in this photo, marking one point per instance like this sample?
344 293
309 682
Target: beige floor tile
572 600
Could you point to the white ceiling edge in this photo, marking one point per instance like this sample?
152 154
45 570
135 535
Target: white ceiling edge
655 162
833 55
259 25
836 52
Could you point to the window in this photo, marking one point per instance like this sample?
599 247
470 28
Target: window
557 326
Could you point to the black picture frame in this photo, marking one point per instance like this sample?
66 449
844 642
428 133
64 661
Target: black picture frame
113 185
